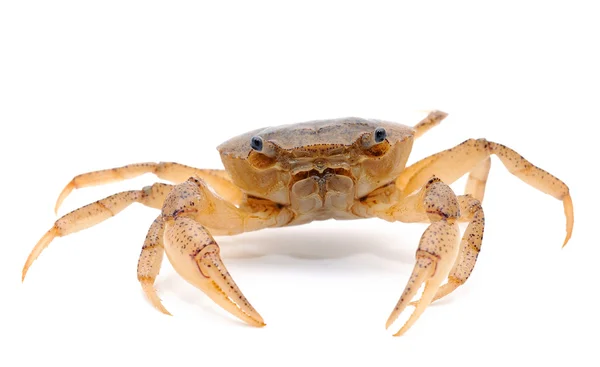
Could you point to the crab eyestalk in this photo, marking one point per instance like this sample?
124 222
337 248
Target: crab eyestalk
264 147
373 138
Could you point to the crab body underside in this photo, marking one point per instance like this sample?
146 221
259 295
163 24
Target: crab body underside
347 168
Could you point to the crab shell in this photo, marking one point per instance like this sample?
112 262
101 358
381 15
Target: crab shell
342 147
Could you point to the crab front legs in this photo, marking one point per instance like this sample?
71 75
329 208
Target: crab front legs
438 249
181 230
440 256
470 245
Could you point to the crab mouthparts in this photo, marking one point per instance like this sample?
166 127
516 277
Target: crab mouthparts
320 174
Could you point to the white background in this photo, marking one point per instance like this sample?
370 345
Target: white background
92 85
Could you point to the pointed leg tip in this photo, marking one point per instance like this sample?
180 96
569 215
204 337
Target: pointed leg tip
568 208
162 308
403 329
37 250
150 292
565 242
257 319
389 323
26 267
63 195
568 235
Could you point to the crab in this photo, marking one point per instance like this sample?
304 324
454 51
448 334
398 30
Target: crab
348 168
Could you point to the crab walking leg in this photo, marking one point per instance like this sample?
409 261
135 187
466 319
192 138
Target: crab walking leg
150 261
96 212
188 210
437 252
170 171
433 119
478 178
449 165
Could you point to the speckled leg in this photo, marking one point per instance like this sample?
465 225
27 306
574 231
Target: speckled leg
437 252
173 172
150 261
96 212
451 164
478 178
470 245
189 209
433 119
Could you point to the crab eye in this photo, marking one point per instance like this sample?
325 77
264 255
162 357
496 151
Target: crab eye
380 135
256 143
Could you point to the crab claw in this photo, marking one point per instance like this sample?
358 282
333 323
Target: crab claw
423 271
195 256
437 251
222 289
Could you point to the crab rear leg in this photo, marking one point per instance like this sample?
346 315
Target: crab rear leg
96 212
473 155
170 171
431 120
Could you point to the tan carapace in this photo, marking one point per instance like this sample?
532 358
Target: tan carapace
347 168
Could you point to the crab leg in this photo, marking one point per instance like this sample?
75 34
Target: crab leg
188 210
470 245
431 120
478 175
194 254
437 252
449 165
170 171
96 212
478 178
150 261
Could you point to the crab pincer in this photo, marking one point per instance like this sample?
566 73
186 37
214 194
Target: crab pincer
437 252
194 254
435 257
